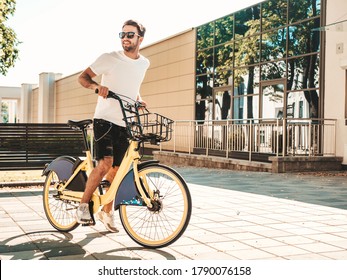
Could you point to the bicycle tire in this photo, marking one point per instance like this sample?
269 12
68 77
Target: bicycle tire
156 229
60 213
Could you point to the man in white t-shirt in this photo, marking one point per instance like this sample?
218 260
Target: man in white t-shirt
122 72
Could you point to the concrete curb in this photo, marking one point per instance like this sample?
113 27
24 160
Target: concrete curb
21 184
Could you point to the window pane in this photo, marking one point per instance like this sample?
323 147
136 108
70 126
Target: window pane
204 63
302 40
223 57
274 45
223 77
273 70
203 96
246 107
303 9
247 22
303 72
222 101
204 86
295 105
298 105
224 30
202 111
274 14
247 51
272 101
238 108
205 36
246 81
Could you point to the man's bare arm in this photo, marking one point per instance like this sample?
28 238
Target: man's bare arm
86 80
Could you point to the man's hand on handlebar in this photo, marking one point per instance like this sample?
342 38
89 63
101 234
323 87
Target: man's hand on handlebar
102 91
105 93
141 104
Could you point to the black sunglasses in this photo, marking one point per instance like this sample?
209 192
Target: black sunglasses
129 35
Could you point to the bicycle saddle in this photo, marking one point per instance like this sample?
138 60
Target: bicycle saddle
80 124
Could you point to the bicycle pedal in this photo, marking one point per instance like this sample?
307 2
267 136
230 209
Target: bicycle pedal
105 184
90 223
92 220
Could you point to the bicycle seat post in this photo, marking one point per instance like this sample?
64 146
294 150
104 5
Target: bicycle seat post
85 139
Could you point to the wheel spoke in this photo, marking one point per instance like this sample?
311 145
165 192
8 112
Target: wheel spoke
168 219
60 213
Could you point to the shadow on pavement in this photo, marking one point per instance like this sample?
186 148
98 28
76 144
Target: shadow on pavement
41 245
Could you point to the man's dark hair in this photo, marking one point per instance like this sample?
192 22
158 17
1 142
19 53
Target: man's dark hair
140 28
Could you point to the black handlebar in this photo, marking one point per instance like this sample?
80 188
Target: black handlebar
111 94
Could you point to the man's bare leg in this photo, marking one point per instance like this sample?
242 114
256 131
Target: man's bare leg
95 178
109 177
82 212
106 214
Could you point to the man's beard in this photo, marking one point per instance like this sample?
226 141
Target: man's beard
129 47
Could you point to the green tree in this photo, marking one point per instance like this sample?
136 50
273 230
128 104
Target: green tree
8 38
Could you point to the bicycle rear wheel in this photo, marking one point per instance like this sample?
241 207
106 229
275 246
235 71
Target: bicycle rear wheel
169 217
60 213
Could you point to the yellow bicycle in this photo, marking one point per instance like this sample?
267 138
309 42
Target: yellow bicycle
153 200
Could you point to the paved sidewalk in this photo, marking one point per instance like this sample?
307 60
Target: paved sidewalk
322 188
226 225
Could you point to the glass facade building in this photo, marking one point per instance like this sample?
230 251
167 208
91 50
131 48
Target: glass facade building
262 62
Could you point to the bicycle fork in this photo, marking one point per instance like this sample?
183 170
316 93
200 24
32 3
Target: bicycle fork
143 188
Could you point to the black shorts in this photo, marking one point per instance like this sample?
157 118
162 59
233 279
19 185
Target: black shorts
110 140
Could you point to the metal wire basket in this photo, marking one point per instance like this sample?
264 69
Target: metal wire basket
150 127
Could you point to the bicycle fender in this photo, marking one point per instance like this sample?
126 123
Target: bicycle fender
63 166
147 163
127 193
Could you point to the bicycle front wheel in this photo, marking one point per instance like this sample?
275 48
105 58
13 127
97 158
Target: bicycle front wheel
169 216
59 212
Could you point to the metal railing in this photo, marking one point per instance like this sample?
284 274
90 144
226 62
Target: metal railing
251 138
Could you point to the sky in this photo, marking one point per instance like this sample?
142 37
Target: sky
66 36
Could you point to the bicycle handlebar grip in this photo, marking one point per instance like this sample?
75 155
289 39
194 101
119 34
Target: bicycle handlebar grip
110 93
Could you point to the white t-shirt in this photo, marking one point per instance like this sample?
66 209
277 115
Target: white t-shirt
122 75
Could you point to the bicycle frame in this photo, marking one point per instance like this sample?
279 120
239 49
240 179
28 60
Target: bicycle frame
131 159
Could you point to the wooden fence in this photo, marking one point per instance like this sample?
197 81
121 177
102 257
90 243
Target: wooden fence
31 146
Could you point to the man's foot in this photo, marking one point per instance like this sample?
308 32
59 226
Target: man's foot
107 219
83 214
